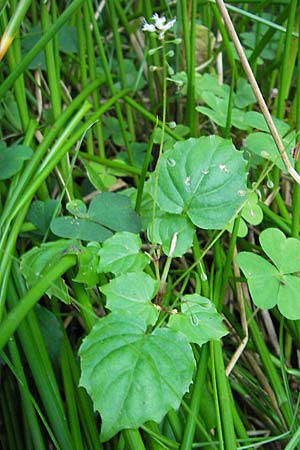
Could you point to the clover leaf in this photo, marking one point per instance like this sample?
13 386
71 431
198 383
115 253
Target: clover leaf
270 284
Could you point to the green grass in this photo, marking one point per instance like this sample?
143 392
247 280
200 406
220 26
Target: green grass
95 100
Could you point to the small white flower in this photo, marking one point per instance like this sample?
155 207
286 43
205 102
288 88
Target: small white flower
159 22
160 25
148 27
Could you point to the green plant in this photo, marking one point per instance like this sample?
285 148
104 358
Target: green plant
134 167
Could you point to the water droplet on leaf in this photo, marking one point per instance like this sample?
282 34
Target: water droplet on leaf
171 162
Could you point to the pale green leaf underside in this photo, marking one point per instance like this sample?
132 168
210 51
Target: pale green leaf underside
263 279
133 377
284 252
203 178
289 297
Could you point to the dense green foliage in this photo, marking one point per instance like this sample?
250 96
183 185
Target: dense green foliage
149 225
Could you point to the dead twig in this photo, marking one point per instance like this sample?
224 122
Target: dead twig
256 90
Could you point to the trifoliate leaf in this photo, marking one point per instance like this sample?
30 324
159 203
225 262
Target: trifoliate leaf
284 252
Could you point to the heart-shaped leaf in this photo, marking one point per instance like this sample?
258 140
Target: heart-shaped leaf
262 277
132 292
203 178
262 144
244 94
251 211
107 212
77 228
12 158
256 120
121 253
77 208
41 213
132 376
269 285
218 111
199 320
289 297
114 211
284 252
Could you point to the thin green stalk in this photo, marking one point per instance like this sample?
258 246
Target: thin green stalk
14 58
52 65
142 179
216 397
109 79
7 257
91 64
224 398
164 115
196 397
82 72
238 424
191 74
86 309
152 60
269 368
26 60
85 408
152 439
225 39
276 219
121 65
173 420
133 440
296 187
266 38
199 267
186 33
120 166
13 319
294 441
69 391
13 26
27 405
37 357
228 262
53 76
287 65
9 417
229 109
152 118
284 372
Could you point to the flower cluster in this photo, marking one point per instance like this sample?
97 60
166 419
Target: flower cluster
159 25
